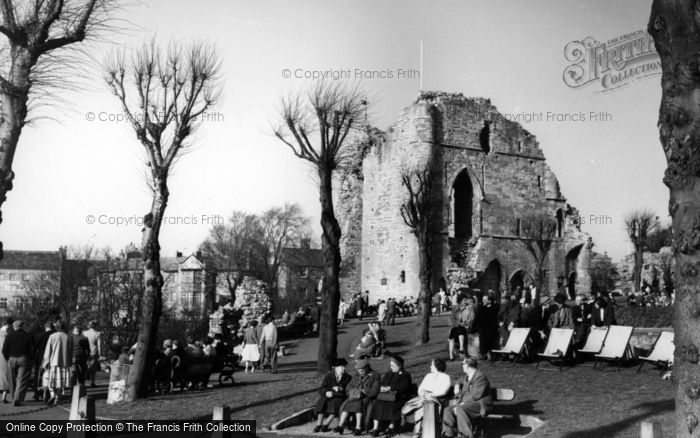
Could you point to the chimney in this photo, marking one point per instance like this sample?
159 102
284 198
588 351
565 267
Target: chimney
198 254
178 254
305 243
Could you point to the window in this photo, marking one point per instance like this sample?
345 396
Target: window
2 276
13 277
303 272
44 277
402 276
25 277
383 281
19 304
196 287
3 303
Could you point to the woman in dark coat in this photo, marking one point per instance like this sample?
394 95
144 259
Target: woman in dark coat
333 393
487 324
363 388
394 391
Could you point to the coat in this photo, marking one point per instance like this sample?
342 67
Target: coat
475 394
368 387
401 383
607 319
5 373
325 405
59 351
561 318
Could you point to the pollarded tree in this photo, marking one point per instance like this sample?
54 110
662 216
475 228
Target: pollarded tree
538 233
164 94
640 224
675 27
415 212
315 126
35 60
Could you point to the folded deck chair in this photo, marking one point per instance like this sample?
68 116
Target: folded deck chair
515 344
557 345
595 340
616 345
662 353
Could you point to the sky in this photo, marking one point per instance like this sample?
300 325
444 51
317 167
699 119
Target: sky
85 164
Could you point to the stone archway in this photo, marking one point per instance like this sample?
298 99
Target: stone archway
463 198
571 270
518 280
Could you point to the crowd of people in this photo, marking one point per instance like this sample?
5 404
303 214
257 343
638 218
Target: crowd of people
366 402
50 361
492 320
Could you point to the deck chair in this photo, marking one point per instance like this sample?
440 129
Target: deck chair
616 346
662 353
515 344
557 345
594 341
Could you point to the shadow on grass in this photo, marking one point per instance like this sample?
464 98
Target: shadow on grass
652 408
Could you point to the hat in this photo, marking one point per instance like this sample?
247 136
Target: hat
470 361
362 363
341 362
17 324
396 359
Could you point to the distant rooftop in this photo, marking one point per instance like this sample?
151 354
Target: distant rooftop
36 260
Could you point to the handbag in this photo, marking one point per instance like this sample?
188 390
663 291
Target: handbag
387 396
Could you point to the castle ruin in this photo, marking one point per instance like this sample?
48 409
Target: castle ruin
488 172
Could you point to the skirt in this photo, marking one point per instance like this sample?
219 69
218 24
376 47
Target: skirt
386 410
356 405
56 378
250 353
5 375
326 405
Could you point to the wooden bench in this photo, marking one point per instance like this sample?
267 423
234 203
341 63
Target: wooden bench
432 420
192 371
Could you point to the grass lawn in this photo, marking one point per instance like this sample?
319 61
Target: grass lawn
575 403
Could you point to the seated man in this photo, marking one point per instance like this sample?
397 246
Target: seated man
473 401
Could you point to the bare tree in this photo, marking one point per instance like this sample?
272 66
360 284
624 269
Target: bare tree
164 93
415 212
281 227
639 225
34 57
230 248
538 233
315 126
674 27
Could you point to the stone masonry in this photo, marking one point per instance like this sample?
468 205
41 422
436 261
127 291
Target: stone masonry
489 173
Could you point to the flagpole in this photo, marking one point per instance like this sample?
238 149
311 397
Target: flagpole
421 65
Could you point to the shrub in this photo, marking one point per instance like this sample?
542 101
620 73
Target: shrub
644 316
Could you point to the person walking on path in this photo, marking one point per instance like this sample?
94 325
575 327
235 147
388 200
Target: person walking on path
5 374
17 350
269 345
81 352
250 354
39 356
93 337
58 357
391 311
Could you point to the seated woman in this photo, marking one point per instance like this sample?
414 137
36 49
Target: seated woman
434 387
394 390
366 346
333 394
363 388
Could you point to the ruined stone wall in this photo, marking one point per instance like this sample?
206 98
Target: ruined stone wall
510 181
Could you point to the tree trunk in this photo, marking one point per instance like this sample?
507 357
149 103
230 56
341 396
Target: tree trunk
425 275
637 273
675 26
13 112
330 293
152 303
